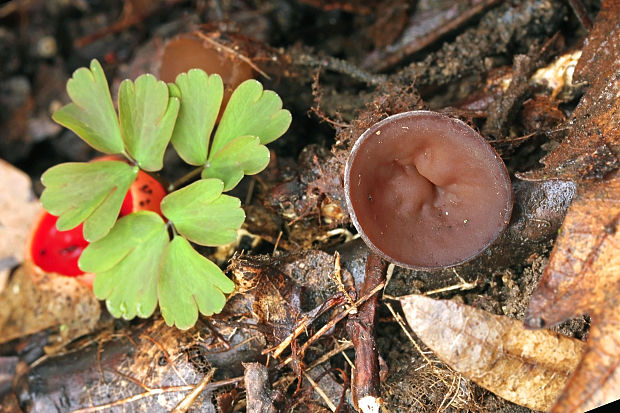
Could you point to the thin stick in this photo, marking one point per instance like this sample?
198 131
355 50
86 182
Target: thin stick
321 393
329 325
166 355
192 174
308 319
340 349
401 323
155 392
581 13
187 402
463 286
275 247
232 52
336 276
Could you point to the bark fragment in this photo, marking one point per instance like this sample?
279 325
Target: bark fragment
260 396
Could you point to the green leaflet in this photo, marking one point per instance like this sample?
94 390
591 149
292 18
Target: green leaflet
91 114
135 263
127 264
137 266
87 192
190 283
202 214
252 111
201 97
244 155
147 116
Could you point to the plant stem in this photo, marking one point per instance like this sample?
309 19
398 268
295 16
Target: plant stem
193 173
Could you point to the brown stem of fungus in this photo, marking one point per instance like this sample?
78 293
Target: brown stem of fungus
360 327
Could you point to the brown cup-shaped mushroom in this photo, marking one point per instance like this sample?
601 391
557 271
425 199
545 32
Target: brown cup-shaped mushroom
189 51
426 191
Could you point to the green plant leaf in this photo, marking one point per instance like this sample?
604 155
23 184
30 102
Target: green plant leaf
252 111
202 214
127 264
91 114
201 97
147 116
190 283
244 155
90 192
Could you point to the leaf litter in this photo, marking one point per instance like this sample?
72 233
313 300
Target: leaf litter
596 163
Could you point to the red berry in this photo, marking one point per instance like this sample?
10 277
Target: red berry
58 251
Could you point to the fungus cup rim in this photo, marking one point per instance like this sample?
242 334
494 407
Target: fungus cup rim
370 132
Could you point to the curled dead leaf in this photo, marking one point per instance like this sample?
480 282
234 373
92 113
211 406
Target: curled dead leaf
526 367
583 276
584 268
19 207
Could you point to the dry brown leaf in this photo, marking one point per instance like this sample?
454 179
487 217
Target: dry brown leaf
596 381
583 276
526 367
584 268
592 147
33 302
19 207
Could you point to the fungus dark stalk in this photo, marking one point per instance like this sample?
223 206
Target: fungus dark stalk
361 330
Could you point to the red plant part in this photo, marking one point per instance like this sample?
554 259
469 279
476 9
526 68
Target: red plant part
54 251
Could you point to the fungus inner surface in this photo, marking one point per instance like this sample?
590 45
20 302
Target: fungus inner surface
427 190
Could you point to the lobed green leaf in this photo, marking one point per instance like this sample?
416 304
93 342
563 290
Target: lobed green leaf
202 214
244 155
92 193
190 283
91 114
127 264
147 116
252 111
201 97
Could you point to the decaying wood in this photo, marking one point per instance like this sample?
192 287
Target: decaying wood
469 53
150 367
361 330
260 395
425 27
527 367
537 217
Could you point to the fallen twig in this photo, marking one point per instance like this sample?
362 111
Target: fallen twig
365 383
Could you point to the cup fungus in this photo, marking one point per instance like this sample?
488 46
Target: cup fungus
54 251
426 191
188 52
